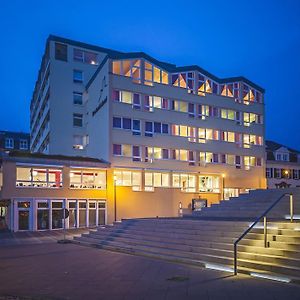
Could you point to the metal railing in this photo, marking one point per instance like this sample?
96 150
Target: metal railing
264 216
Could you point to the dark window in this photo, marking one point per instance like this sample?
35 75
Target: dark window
77 98
191 109
157 127
117 122
148 128
215 158
77 76
117 149
77 120
126 123
223 158
258 161
61 52
165 128
165 103
136 153
165 153
116 95
136 127
136 101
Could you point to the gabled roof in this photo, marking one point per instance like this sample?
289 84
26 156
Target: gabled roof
113 54
273 146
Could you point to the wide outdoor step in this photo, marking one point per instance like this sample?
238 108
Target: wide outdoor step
182 256
194 246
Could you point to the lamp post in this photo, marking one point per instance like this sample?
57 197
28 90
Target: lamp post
115 196
223 186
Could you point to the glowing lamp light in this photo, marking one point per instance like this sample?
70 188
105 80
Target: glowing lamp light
34 173
286 172
223 175
71 175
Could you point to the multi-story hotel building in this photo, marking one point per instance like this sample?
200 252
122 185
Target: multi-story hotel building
169 132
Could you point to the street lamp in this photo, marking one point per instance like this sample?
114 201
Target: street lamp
223 185
115 196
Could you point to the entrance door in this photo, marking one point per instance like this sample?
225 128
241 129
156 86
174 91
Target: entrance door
101 213
23 219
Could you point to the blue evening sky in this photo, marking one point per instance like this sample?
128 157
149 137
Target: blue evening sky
256 39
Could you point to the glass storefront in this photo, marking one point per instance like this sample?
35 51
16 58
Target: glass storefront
46 214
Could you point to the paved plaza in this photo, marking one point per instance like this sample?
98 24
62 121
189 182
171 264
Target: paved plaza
48 270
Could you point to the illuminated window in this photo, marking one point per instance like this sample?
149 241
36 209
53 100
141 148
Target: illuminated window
127 151
38 177
179 80
203 111
85 56
87 179
230 90
209 184
249 161
80 142
156 179
154 74
207 134
206 85
128 68
152 153
187 182
250 94
128 178
206 157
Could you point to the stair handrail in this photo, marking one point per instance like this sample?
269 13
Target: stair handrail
265 225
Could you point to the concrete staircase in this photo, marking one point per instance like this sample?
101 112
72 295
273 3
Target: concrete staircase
207 240
250 206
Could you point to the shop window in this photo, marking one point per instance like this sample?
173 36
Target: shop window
156 179
43 215
57 222
87 179
187 182
128 178
38 177
209 184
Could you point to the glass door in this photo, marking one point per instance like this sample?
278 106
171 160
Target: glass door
23 215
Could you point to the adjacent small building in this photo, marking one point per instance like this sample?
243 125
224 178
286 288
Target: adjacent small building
10 140
34 188
283 166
